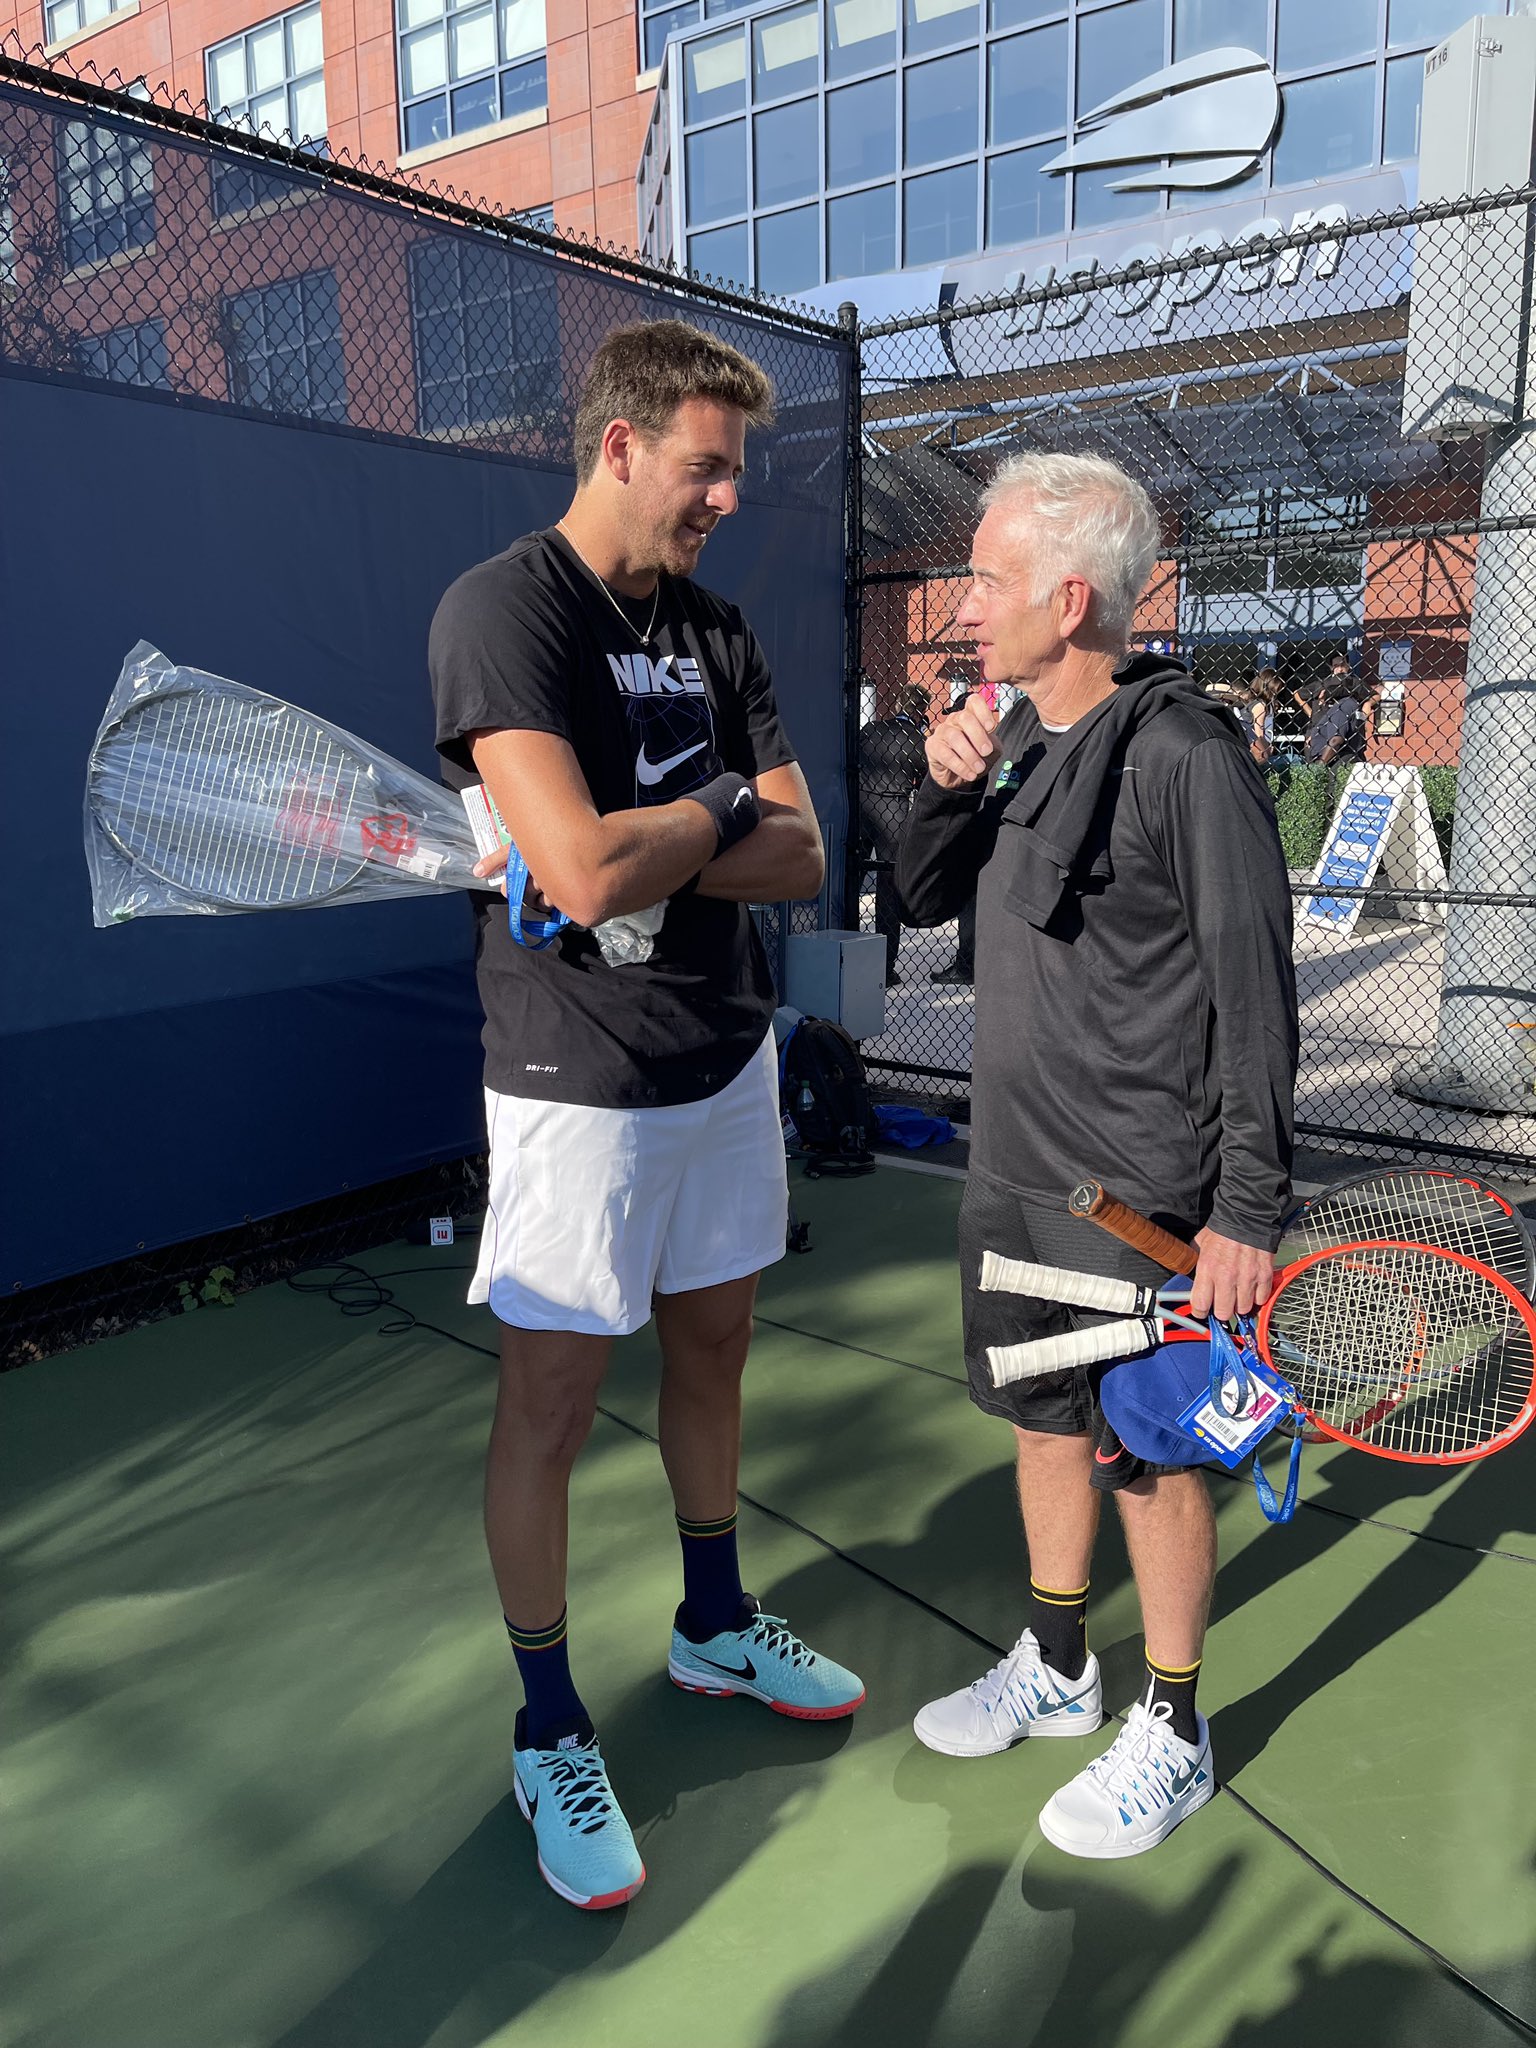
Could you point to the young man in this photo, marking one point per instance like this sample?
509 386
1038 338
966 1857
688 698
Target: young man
623 719
1135 1022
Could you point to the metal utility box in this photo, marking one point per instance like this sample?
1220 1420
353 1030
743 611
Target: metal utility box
1464 370
840 976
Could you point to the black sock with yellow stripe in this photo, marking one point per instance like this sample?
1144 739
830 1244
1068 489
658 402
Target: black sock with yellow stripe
1175 1684
711 1577
1059 1621
543 1664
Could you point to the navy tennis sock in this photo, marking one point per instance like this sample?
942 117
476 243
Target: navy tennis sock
711 1577
1175 1684
1060 1625
544 1665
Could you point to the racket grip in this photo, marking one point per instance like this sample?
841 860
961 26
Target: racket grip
1011 1362
1054 1283
1138 1231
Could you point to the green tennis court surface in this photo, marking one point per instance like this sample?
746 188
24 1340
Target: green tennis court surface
258 1705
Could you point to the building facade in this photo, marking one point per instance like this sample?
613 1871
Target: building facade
817 144
537 106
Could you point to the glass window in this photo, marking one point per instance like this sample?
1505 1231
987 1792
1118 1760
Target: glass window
1021 204
126 355
657 27
1027 85
486 335
716 179
942 108
1094 205
1405 95
525 88
715 76
1200 25
861 35
1427 21
1018 13
1115 47
65 16
785 162
283 344
861 233
721 253
1311 32
935 24
784 53
271 77
861 131
489 54
1329 126
106 192
940 215
789 251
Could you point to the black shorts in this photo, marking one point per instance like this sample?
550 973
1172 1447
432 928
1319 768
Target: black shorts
996 1218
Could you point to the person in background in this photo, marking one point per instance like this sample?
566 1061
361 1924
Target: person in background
892 763
1318 696
1258 715
1339 735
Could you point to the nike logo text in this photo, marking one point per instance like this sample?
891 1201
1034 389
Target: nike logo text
651 772
675 675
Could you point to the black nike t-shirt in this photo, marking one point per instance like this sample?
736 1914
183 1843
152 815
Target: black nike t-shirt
532 641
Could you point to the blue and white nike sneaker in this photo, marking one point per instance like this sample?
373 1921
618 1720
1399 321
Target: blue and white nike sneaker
586 1851
1135 1794
762 1658
1022 1696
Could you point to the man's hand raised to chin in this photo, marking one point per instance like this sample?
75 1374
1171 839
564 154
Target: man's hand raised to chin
962 747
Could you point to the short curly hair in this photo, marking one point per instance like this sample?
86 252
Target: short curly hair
643 374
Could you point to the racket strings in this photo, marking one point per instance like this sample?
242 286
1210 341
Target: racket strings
1404 1349
1417 1206
238 802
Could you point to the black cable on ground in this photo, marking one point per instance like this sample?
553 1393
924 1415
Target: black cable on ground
357 1292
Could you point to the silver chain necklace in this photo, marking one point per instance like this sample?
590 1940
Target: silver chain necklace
644 638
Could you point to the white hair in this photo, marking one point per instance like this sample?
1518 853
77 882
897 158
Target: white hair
1086 518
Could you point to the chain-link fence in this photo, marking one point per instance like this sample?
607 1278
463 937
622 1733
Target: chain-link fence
149 254
1330 422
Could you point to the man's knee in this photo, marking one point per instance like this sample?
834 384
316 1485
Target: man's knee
546 1400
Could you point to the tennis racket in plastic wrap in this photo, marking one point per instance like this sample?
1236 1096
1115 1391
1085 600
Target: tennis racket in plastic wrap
1403 1350
204 795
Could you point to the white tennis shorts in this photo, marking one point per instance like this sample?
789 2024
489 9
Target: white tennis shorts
591 1211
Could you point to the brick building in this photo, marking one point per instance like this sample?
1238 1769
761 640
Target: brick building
537 106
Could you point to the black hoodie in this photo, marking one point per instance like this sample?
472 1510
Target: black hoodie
1135 998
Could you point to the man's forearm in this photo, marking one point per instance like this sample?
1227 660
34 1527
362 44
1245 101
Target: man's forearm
781 862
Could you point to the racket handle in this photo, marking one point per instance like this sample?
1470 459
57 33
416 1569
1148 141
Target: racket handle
1011 1362
1138 1231
1054 1283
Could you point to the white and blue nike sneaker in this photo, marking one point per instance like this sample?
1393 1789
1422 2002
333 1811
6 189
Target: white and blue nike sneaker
1022 1696
1135 1794
762 1658
586 1851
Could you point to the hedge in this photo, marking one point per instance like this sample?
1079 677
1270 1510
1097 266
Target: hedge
1307 795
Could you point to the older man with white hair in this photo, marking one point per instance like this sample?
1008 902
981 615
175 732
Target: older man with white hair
1135 1023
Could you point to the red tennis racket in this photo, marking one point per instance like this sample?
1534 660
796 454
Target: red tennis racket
1404 1350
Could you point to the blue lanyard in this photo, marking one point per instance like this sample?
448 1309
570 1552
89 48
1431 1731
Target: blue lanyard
1227 1362
536 933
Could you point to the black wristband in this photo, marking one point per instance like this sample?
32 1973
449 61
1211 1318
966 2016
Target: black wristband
731 803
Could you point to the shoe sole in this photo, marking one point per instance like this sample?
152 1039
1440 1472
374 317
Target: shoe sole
1113 1852
596 1902
1052 1729
690 1683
